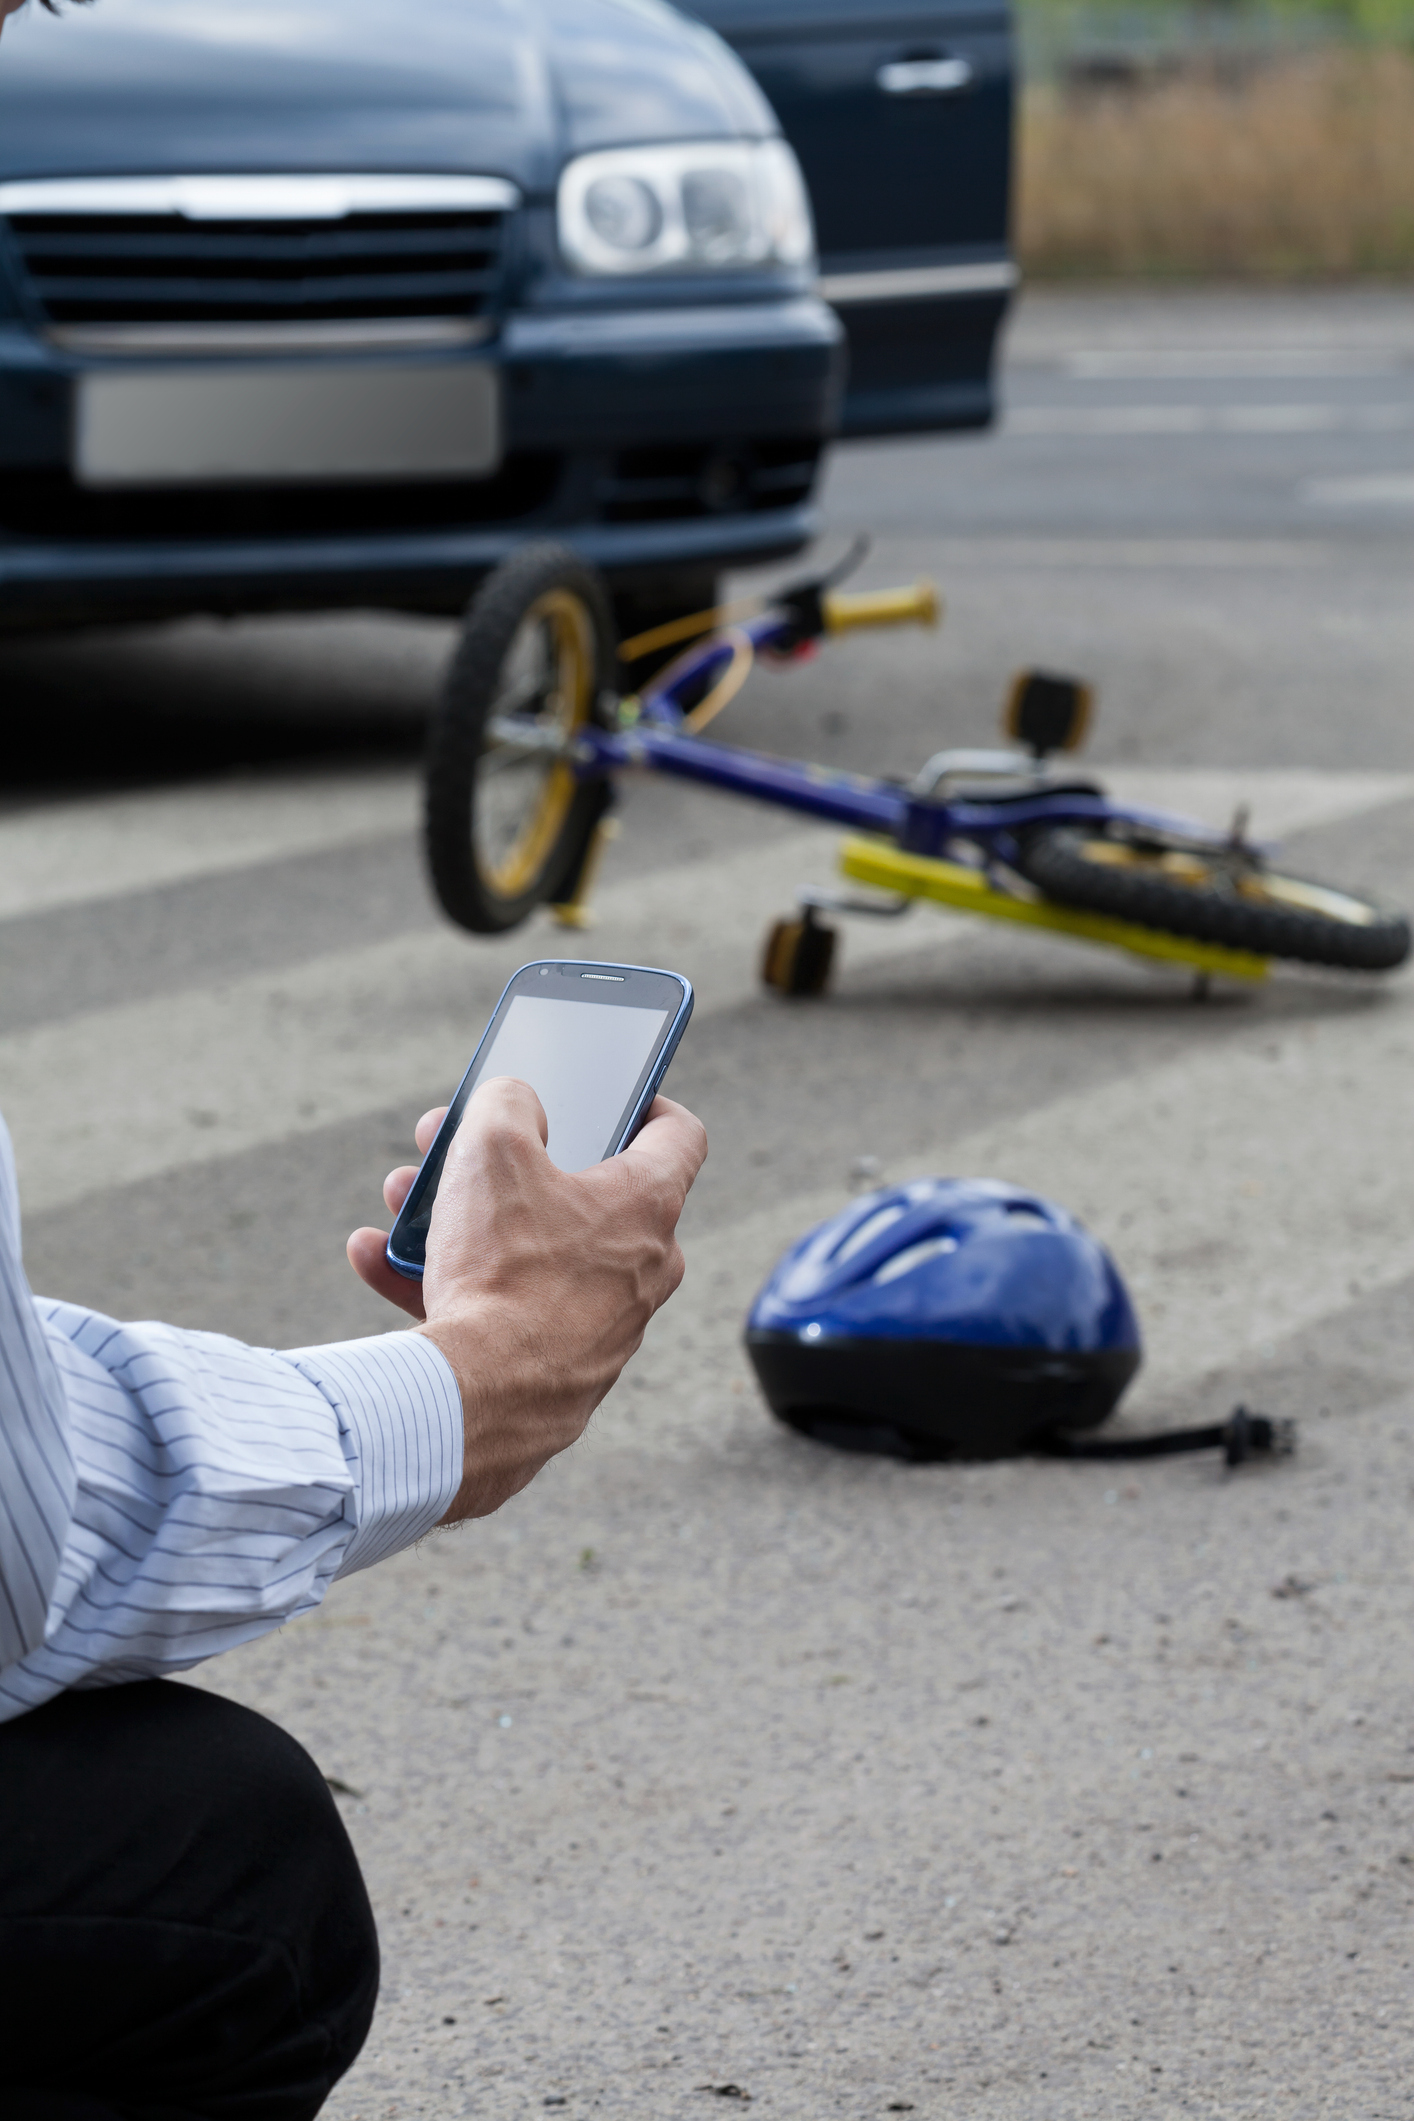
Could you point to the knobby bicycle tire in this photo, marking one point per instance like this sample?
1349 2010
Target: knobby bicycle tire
1187 894
485 888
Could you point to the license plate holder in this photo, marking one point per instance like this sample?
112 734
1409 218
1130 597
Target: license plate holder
283 422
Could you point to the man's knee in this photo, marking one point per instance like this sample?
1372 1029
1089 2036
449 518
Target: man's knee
186 1857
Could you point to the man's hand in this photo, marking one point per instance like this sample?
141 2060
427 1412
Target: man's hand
368 1248
539 1282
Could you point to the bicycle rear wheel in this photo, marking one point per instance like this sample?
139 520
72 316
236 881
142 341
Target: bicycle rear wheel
1209 897
508 824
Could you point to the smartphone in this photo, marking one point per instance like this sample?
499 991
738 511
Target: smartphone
593 1042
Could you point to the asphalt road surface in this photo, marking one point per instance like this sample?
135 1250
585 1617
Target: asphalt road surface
718 1764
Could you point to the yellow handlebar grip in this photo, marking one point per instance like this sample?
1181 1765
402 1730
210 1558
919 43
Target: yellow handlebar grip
919 605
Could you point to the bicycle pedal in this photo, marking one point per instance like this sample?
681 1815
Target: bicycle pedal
1046 712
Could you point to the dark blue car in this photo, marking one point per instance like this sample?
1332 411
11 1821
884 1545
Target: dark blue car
335 302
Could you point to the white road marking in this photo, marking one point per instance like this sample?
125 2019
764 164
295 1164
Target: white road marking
1282 801
68 853
1381 489
987 555
1221 363
76 853
1207 419
127 1093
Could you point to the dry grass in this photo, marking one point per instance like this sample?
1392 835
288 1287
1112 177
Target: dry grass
1306 169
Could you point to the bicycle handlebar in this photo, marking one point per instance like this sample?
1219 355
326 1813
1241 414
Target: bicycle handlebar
918 605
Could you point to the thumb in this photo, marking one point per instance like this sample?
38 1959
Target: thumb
503 1104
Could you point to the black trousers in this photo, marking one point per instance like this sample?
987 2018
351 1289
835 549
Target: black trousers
184 1930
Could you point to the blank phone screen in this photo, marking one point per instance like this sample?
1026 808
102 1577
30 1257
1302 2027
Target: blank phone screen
588 1058
583 1061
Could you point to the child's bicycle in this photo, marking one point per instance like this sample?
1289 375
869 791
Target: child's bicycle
535 725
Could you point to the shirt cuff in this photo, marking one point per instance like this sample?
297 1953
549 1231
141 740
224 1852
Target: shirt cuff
400 1418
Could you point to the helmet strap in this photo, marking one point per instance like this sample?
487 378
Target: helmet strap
1242 1436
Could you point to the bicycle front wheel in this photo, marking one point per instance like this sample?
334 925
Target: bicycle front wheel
1207 897
507 821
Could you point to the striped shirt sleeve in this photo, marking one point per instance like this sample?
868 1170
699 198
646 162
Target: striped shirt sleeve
165 1495
37 1478
400 1413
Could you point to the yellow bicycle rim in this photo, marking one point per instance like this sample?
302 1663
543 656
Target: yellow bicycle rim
1258 887
568 706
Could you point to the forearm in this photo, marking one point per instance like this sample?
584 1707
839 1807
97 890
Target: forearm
526 1394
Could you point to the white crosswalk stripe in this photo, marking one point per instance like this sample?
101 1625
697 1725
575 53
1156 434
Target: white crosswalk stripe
67 854
1087 420
126 1093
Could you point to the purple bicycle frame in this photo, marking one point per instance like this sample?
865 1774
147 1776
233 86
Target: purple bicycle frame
659 741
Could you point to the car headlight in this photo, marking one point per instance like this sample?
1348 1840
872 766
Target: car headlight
708 206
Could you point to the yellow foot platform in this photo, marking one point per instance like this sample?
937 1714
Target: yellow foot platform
881 863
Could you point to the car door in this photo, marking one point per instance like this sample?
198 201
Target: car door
900 112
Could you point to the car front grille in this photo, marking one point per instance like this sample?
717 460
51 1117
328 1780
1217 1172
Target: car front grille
178 264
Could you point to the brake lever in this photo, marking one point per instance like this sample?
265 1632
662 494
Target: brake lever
804 602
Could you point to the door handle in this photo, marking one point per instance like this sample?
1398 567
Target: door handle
925 77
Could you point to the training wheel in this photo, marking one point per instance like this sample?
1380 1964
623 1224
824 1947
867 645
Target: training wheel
798 956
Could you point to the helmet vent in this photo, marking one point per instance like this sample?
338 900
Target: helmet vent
915 1256
872 1226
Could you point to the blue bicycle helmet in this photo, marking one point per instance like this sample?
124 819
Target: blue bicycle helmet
945 1317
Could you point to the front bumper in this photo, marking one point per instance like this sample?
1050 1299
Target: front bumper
652 441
